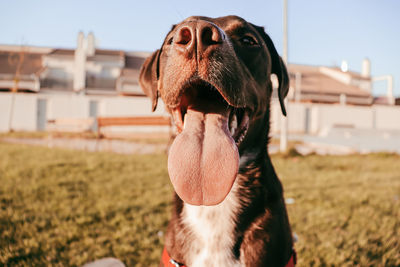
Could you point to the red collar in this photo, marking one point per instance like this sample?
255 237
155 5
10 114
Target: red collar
169 262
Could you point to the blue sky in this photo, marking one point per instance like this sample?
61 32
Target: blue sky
321 32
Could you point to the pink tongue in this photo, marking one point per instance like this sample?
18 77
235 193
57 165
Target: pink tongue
203 160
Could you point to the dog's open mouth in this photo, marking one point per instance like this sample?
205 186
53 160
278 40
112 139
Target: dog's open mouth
204 159
199 92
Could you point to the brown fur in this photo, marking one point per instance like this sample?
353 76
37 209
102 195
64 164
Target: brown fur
241 74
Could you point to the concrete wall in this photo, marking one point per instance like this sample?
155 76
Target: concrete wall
296 115
67 106
302 117
129 106
387 117
347 116
320 118
21 119
5 103
26 114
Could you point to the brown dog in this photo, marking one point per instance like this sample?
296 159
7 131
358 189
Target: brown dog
214 77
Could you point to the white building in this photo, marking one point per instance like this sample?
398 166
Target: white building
86 69
87 82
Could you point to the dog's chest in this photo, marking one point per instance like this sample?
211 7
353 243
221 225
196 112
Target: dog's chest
212 233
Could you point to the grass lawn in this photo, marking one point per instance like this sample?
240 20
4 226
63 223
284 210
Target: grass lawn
66 208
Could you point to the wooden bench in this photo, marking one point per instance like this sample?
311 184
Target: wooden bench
134 121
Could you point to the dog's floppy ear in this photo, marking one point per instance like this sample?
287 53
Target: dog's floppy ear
278 68
148 79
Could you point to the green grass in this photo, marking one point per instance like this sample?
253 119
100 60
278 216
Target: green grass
66 208
346 210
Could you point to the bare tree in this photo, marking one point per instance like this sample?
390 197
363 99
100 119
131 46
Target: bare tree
15 59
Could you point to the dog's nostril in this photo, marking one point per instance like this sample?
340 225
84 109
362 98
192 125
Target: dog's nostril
210 36
184 36
206 36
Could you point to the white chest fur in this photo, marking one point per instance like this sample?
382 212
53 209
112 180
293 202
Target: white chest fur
212 233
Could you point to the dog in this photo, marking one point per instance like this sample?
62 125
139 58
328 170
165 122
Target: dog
214 76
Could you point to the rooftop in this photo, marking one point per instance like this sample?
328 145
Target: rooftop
314 81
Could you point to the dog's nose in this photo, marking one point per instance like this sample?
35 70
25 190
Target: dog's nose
197 37
208 34
184 37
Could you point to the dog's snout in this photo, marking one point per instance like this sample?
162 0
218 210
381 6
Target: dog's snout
195 37
184 36
184 40
209 34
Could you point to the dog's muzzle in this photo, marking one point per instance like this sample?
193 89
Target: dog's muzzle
203 161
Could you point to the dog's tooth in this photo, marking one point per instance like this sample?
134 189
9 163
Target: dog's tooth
233 124
245 120
177 115
241 130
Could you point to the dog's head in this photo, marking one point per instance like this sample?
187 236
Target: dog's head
214 76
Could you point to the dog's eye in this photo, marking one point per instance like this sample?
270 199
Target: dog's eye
248 40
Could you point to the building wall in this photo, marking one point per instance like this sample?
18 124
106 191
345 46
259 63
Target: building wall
320 118
347 116
129 106
103 73
59 73
302 117
24 115
5 104
69 106
387 117
296 115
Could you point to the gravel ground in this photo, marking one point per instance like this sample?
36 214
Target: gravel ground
336 141
116 146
